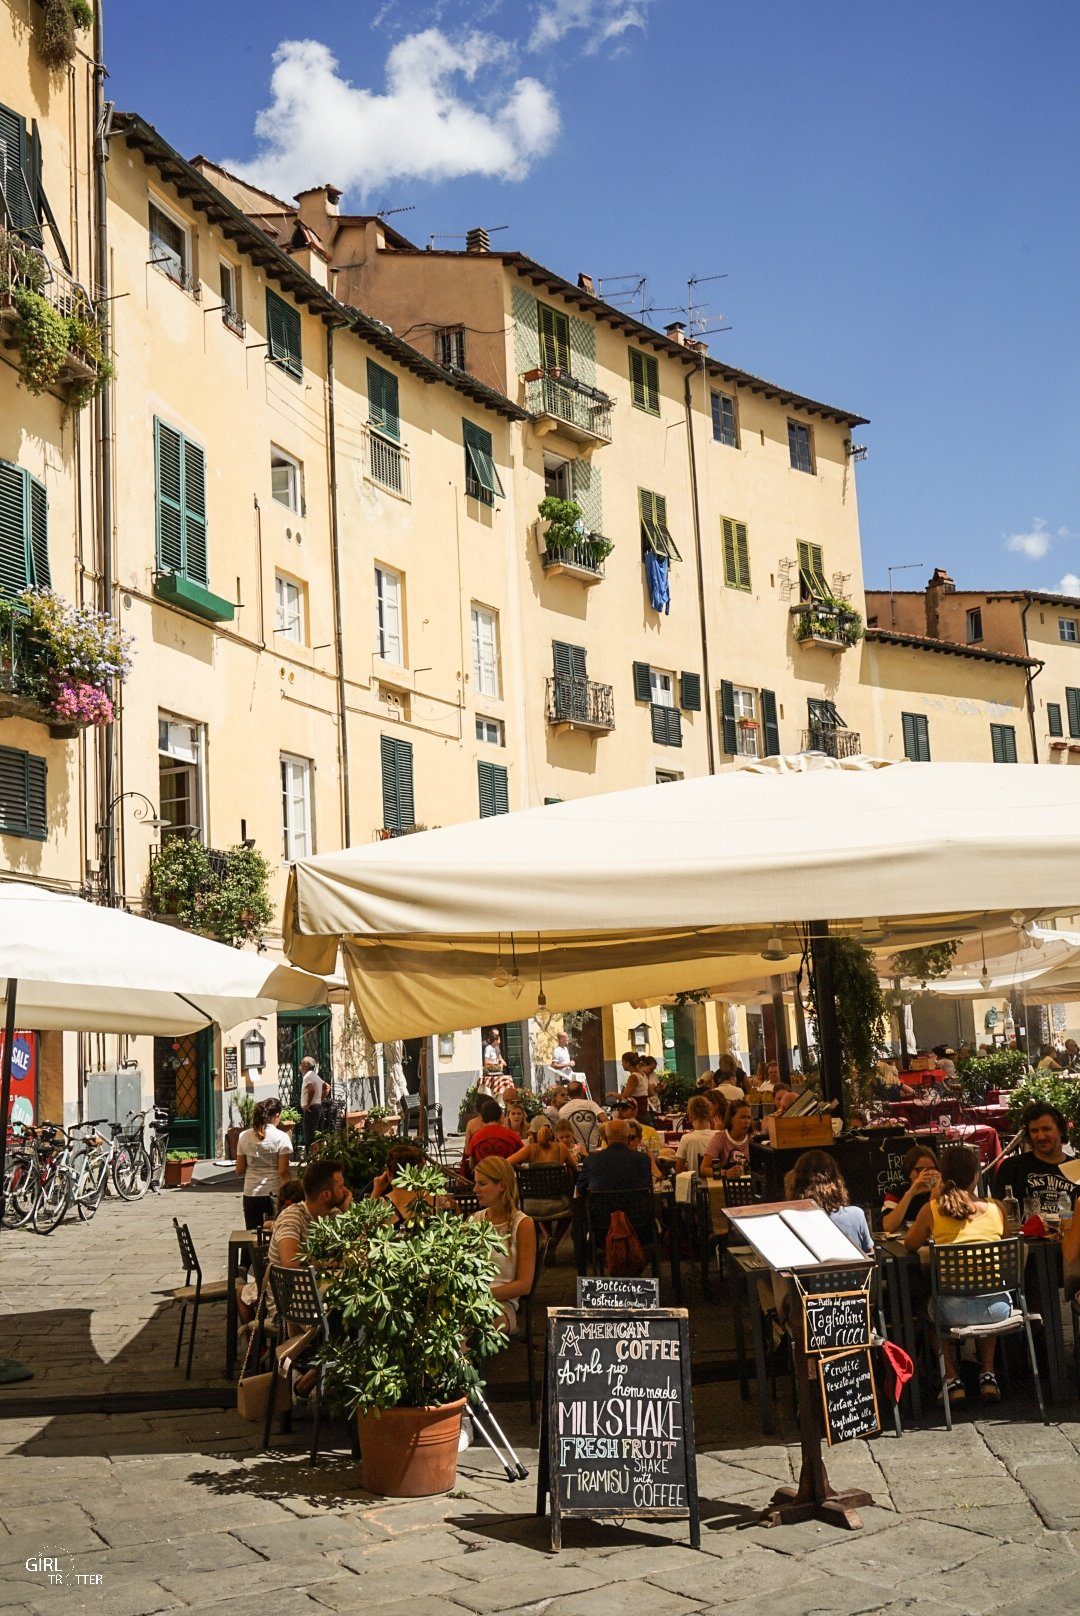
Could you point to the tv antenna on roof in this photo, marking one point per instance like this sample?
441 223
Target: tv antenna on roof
629 293
463 235
384 213
697 319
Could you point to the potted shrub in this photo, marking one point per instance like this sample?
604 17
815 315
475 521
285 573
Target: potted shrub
417 1316
288 1120
179 1168
381 1119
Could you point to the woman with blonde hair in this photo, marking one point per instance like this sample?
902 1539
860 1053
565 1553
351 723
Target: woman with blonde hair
496 1187
702 1124
543 1149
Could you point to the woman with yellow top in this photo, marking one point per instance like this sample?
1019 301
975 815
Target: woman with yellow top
954 1215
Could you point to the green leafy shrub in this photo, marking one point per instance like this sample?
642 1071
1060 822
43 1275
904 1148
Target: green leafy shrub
861 1015
674 1090
44 337
416 1309
181 1155
362 1155
1054 1088
832 618
927 964
1000 1069
232 905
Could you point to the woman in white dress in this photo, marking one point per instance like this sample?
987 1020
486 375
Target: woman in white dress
497 1190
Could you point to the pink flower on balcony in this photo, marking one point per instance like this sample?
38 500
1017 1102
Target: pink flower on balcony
76 702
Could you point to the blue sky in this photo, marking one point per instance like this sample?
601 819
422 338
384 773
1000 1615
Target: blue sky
890 191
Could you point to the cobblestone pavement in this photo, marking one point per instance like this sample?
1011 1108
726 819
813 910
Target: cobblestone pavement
175 1509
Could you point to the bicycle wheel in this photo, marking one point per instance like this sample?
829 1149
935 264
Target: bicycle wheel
158 1152
131 1173
22 1191
90 1195
52 1204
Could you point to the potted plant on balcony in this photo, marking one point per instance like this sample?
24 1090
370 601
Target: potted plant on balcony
831 619
565 524
417 1317
226 897
179 1168
62 660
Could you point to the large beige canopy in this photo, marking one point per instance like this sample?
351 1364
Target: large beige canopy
638 893
1042 965
86 968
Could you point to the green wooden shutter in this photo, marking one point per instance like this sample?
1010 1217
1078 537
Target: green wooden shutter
513 1048
1053 718
397 783
642 682
554 328
916 737
736 554
568 660
481 477
690 692
494 789
283 334
38 501
771 728
37 825
168 458
727 717
1072 707
383 400
644 381
666 726
742 550
19 176
812 572
195 561
1003 743
14 551
23 809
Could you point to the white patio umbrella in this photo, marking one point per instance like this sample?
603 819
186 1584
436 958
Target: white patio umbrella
640 893
1047 974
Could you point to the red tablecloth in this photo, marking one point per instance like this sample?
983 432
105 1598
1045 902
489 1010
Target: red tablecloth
985 1140
922 1110
990 1116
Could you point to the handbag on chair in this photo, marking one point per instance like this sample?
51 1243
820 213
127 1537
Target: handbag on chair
253 1391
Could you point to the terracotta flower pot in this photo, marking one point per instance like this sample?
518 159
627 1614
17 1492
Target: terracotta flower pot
178 1173
410 1452
232 1139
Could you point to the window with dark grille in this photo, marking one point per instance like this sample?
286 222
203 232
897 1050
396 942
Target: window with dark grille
800 446
724 428
823 714
22 794
283 334
450 347
397 783
916 737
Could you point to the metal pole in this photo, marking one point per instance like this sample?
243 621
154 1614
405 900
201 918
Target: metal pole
832 1074
5 1086
901 1024
783 1053
104 409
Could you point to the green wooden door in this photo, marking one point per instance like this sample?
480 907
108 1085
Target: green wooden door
184 1085
680 1044
305 1032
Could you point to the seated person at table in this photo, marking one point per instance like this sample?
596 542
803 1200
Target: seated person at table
731 1145
955 1215
565 1136
325 1193
291 1193
584 1116
554 1100
816 1177
636 1142
649 1137
617 1166
702 1128
516 1118
1036 1174
383 1188
497 1189
720 1105
730 1079
784 1097
706 1082
543 1149
492 1138
902 1205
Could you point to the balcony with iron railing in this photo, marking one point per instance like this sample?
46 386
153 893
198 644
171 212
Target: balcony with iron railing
831 624
835 743
580 704
34 686
582 559
560 403
386 463
23 269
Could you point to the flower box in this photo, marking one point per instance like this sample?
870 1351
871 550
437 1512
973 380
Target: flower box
179 1172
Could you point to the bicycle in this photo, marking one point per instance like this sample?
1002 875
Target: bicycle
52 1172
19 1183
91 1162
137 1167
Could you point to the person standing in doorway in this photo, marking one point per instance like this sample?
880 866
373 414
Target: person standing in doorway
313 1091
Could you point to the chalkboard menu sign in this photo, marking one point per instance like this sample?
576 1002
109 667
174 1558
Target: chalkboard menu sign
231 1068
608 1291
848 1395
617 1431
835 1323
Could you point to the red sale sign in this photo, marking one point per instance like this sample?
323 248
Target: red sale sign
24 1066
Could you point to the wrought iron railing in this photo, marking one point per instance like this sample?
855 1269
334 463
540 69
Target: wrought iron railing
234 321
580 701
25 268
574 555
571 401
386 463
835 743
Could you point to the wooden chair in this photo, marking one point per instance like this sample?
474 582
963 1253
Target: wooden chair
192 1293
740 1191
985 1268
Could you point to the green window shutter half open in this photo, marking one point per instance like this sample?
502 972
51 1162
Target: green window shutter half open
23 807
481 477
727 717
568 661
24 531
1072 707
195 559
20 178
812 582
383 400
645 381
769 724
736 554
494 792
655 535
690 692
397 783
1053 718
642 682
283 335
554 328
38 516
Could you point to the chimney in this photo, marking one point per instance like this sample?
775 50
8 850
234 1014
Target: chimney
317 207
676 332
697 345
940 584
477 240
585 284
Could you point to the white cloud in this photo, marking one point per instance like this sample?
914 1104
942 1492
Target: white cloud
1034 543
602 20
438 118
1068 585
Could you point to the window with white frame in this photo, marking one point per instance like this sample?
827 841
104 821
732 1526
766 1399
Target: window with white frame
286 479
558 478
170 245
229 287
1068 630
450 346
297 839
746 722
490 731
289 609
485 651
666 777
661 688
181 791
388 624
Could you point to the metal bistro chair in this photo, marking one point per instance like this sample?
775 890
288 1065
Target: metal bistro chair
544 1183
300 1327
641 1214
983 1269
466 1201
192 1294
524 1330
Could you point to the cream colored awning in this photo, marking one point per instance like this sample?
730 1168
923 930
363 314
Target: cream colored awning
641 893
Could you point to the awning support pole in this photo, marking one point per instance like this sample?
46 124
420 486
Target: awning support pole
821 956
5 1086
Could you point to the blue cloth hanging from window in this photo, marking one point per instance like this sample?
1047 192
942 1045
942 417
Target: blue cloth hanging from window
656 576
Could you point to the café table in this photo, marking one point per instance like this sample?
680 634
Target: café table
745 1267
985 1140
241 1244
